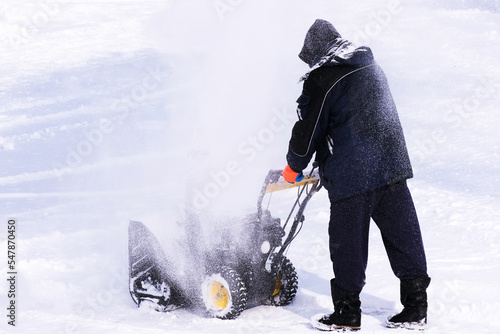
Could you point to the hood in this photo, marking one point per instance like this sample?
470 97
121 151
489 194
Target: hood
323 45
319 39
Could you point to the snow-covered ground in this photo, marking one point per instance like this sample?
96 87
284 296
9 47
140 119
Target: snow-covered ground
117 110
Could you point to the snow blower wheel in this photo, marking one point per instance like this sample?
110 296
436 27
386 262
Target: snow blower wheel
286 284
224 294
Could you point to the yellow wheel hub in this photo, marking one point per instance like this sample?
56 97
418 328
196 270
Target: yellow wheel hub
277 287
218 295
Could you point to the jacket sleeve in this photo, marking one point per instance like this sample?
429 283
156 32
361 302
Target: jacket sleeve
310 130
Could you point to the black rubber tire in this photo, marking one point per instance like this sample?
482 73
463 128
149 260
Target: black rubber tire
224 294
287 283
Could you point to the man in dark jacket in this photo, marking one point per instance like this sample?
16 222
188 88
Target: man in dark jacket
348 118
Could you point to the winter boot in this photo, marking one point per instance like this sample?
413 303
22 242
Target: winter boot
414 300
347 315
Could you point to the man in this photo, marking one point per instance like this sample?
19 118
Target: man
348 118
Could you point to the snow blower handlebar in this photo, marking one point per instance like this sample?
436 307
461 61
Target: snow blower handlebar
271 179
275 182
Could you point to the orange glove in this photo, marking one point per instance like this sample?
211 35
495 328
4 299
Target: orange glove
290 176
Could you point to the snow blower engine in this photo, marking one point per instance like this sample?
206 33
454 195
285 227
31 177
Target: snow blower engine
247 266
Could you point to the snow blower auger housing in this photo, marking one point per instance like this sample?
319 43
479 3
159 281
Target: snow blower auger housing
246 267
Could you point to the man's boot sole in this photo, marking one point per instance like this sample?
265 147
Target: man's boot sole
331 328
419 325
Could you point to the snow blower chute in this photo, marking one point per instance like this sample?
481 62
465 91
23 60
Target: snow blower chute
246 267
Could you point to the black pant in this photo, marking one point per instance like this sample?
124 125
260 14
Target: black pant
393 211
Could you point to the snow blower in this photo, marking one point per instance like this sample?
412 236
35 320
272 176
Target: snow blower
246 267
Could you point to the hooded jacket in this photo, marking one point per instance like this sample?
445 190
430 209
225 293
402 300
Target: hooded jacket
347 116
